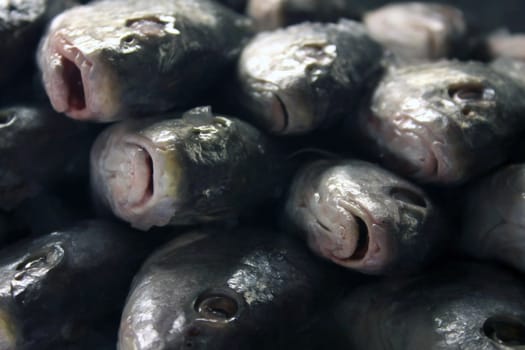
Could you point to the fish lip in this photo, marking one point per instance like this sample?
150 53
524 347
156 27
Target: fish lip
379 252
97 91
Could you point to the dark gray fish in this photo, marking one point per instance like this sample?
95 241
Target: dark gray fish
273 14
194 169
364 218
443 122
109 59
309 75
36 147
248 289
511 67
416 31
237 5
493 220
458 307
22 22
71 278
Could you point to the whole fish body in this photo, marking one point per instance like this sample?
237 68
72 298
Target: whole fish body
71 278
195 169
108 59
442 122
207 289
306 76
364 218
465 306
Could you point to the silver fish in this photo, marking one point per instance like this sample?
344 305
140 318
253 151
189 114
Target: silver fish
364 218
109 59
309 75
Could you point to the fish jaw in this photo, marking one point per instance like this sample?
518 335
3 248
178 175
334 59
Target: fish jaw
77 84
129 173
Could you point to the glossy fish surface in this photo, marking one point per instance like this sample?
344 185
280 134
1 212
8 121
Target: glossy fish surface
171 170
451 308
364 218
442 122
247 289
108 59
70 278
299 78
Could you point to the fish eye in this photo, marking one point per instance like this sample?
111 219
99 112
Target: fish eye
505 330
41 258
469 92
408 196
129 39
217 306
6 118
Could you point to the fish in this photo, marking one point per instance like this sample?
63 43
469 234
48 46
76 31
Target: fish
441 123
493 224
306 76
37 146
364 218
511 67
215 289
113 59
237 5
173 170
503 44
466 305
72 278
270 15
22 22
416 31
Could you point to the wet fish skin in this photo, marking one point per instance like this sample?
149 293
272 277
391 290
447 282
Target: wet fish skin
212 289
36 145
66 279
503 44
269 15
492 217
451 307
195 169
108 59
22 22
364 218
442 122
306 76
416 31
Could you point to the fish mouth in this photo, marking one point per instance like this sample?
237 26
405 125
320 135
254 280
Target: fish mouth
360 244
127 174
76 84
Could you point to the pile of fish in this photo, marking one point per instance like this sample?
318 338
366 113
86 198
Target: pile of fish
285 174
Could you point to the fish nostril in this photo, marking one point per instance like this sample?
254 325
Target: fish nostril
6 118
408 196
362 240
505 330
216 307
467 92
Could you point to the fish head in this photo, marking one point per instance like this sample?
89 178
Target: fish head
356 214
138 166
418 31
90 63
280 82
432 119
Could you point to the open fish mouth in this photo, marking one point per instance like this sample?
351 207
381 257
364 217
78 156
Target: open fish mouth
76 84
